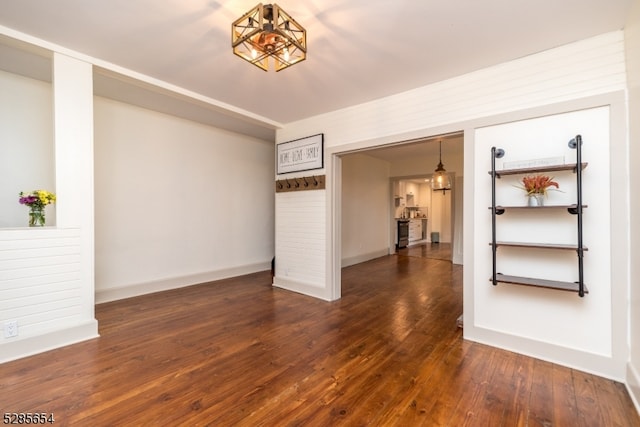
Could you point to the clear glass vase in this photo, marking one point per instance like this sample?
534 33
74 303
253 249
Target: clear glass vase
36 216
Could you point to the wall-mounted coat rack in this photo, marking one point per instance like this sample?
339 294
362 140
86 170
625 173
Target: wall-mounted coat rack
315 182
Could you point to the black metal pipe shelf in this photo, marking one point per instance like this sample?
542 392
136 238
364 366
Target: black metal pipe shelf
541 283
574 209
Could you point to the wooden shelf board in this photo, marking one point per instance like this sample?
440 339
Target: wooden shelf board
540 283
540 245
574 206
552 168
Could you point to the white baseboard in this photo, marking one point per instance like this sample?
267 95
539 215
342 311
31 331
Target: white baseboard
137 289
13 350
633 385
601 365
347 262
301 288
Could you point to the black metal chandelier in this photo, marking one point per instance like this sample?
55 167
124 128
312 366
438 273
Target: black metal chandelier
267 31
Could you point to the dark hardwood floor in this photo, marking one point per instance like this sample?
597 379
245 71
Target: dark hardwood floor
428 250
240 353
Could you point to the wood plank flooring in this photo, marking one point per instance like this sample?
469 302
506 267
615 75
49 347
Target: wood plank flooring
240 353
428 250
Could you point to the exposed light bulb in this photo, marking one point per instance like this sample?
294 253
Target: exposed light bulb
286 54
254 54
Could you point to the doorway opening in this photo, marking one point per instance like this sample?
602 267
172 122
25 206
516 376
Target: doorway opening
367 202
427 213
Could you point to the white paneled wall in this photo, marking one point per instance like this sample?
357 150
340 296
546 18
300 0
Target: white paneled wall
40 278
588 67
579 73
582 69
301 241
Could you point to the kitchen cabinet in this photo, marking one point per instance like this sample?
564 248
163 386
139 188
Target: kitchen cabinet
411 194
399 189
415 230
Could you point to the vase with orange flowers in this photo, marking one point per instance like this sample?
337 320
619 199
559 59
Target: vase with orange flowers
536 187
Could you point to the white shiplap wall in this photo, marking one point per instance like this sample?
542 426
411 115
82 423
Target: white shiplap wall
588 69
579 70
585 68
40 279
301 241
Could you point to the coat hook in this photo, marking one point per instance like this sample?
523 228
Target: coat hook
288 184
280 184
297 183
315 181
306 184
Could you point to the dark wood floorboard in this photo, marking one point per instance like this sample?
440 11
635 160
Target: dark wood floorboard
239 352
428 250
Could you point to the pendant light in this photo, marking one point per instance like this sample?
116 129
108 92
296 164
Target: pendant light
440 181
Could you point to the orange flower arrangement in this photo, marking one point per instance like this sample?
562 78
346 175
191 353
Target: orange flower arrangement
538 184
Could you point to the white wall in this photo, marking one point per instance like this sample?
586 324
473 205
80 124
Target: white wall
555 318
582 70
365 208
178 202
457 255
47 274
300 241
588 67
26 145
632 39
441 215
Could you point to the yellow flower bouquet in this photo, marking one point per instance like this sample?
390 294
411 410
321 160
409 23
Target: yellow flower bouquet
37 200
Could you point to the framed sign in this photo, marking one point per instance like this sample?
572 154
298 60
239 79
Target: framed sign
300 154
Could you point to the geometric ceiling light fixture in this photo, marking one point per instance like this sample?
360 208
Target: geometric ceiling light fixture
440 181
267 31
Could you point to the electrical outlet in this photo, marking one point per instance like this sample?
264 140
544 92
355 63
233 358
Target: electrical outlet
11 328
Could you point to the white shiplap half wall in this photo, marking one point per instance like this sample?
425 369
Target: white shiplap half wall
41 285
39 268
301 242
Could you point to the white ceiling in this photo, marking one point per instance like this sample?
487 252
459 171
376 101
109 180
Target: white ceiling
358 50
429 148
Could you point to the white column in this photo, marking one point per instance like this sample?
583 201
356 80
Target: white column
73 136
